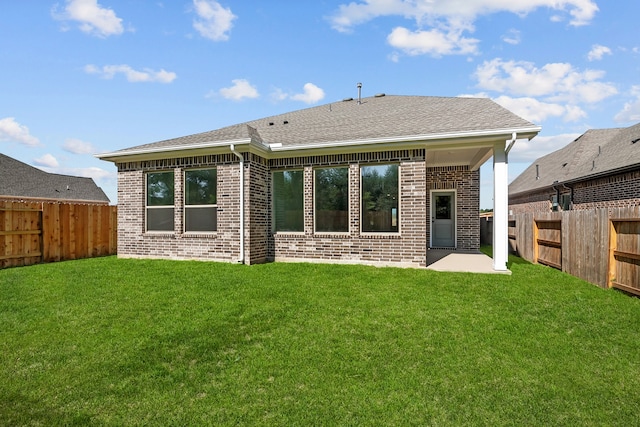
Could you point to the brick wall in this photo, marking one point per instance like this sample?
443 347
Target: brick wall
538 201
467 186
619 190
405 248
261 244
134 242
616 191
257 209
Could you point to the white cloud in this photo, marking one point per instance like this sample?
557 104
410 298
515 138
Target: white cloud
77 146
558 82
435 42
12 131
278 95
427 11
240 90
631 110
528 151
537 111
92 17
442 25
597 52
394 57
311 94
214 21
512 37
133 76
91 172
47 161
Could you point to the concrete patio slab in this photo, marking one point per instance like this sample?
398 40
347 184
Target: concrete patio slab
461 262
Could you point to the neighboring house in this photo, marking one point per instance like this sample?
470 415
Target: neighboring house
19 181
375 181
600 169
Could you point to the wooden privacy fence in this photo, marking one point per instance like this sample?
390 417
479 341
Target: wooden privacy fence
547 245
624 254
601 246
35 232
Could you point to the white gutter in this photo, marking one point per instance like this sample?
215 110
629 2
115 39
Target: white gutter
241 158
152 150
277 147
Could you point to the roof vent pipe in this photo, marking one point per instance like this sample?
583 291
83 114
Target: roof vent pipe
359 93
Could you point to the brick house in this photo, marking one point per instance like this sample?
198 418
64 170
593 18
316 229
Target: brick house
377 180
19 181
600 169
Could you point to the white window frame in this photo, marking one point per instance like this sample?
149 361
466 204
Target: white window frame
185 207
147 207
381 233
315 211
273 201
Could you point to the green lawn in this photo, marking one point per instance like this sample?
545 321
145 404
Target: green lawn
108 341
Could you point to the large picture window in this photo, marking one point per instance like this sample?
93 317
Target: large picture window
331 192
160 205
288 200
200 200
380 211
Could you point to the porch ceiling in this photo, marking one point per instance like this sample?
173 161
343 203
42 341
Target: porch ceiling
473 157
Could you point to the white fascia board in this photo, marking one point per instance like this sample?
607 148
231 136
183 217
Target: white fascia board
275 149
158 152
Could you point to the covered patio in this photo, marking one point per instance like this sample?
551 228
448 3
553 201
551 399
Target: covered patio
461 262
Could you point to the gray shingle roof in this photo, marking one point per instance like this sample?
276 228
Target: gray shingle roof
596 152
18 179
376 117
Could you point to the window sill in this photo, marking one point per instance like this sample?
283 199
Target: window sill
199 233
332 234
159 233
381 235
288 233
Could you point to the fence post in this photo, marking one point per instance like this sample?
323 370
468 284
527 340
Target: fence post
535 241
613 243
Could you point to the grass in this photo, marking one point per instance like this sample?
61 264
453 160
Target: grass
109 341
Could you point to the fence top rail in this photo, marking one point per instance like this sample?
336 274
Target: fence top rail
20 209
625 219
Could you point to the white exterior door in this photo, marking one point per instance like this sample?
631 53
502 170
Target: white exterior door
443 219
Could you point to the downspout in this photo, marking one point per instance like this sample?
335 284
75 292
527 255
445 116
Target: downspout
514 136
554 205
241 158
570 187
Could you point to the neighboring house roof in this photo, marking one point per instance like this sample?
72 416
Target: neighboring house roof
18 179
595 153
379 120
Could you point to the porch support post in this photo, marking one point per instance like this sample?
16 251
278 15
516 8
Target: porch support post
500 207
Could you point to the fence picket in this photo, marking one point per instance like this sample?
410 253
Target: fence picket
34 232
588 241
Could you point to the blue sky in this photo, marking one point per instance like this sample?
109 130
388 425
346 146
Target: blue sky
80 77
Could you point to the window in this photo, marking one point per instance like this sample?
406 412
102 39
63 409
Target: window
200 200
160 201
332 199
380 213
288 200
